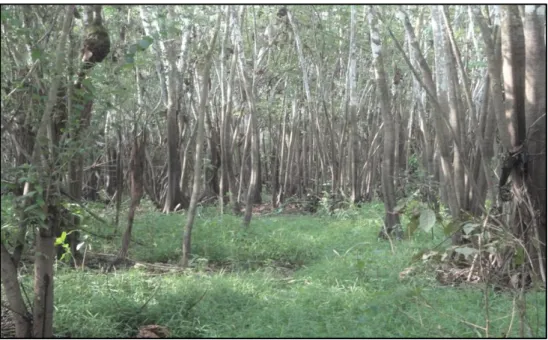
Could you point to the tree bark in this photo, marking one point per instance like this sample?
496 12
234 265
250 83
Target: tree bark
391 219
187 234
21 316
45 235
253 126
535 119
136 168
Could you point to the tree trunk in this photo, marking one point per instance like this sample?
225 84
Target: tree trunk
528 225
43 276
535 119
253 126
21 316
120 177
187 234
226 145
136 169
353 108
391 219
45 235
174 195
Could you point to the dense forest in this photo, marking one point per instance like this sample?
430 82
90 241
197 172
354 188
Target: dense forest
311 147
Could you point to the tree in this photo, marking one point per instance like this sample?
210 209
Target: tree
253 129
519 63
196 187
46 189
391 219
535 121
227 172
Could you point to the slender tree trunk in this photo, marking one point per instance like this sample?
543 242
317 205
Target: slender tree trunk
226 147
136 169
253 127
174 195
119 177
45 236
12 289
353 108
187 234
391 218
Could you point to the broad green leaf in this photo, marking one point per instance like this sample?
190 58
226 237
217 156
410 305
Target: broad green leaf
133 49
61 239
466 251
469 227
145 42
40 215
130 60
427 220
31 208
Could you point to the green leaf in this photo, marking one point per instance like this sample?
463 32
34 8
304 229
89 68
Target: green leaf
133 49
145 42
130 60
65 254
427 220
31 207
469 227
61 239
466 251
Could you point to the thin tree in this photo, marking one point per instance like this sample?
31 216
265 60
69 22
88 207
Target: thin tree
196 187
253 128
391 220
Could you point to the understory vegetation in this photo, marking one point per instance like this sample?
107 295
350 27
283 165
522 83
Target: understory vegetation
289 276
273 171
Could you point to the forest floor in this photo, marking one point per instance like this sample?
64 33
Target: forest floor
287 276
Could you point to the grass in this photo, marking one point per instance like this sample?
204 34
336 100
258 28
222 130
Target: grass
287 276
